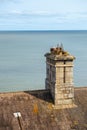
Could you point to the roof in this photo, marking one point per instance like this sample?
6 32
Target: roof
37 112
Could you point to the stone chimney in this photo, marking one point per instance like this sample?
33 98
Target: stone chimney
59 75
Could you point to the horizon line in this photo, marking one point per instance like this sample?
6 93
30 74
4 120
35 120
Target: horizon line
39 30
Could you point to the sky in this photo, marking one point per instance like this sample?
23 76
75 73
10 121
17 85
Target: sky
43 14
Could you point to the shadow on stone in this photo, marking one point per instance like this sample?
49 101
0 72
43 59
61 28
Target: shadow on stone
41 94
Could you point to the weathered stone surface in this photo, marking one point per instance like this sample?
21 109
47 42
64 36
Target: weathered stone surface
59 75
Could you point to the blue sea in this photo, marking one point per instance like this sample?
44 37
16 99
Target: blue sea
22 61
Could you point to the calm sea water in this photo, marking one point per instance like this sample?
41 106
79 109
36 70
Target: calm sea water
22 61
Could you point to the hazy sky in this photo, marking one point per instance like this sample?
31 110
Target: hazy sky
43 14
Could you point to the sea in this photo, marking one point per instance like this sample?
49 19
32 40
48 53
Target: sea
22 61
